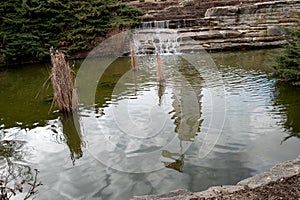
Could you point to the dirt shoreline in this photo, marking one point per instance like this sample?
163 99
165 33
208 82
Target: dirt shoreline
281 182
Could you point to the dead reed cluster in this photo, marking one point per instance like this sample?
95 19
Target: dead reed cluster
61 77
133 58
159 71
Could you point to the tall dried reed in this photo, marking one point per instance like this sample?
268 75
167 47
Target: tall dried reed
133 58
159 70
61 77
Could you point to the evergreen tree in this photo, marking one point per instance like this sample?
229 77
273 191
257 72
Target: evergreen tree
28 28
288 63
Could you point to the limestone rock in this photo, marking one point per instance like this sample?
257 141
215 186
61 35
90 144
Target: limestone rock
286 169
275 31
258 25
221 11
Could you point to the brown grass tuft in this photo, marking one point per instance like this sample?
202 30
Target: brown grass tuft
61 77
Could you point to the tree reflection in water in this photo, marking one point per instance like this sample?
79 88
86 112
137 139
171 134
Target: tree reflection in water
178 160
286 98
177 157
187 124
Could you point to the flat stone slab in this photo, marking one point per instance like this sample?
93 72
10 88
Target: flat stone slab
282 170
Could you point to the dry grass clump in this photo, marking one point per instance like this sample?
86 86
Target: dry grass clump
61 77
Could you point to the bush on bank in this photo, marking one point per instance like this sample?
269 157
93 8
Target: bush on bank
288 63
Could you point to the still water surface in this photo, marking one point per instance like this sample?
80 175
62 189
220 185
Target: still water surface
260 129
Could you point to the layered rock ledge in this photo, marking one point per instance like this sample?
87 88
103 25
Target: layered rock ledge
278 173
243 26
183 9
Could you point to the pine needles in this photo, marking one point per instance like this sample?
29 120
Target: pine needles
288 62
30 28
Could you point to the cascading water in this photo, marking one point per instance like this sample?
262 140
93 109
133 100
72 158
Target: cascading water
156 37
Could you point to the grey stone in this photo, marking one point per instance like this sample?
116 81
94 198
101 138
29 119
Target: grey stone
274 31
285 169
217 190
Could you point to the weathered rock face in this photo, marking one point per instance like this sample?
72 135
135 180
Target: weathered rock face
183 9
273 9
243 26
259 25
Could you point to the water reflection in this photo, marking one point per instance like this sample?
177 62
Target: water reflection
189 79
253 69
286 99
160 93
19 103
72 136
13 174
178 160
260 114
108 80
131 119
13 168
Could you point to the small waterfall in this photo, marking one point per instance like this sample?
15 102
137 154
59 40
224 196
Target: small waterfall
155 37
184 23
154 25
145 25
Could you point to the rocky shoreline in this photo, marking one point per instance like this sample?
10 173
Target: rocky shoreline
283 178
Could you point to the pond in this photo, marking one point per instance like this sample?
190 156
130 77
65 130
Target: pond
133 117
